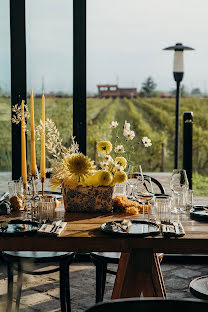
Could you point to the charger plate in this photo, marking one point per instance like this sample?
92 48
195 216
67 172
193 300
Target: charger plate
199 213
138 228
19 227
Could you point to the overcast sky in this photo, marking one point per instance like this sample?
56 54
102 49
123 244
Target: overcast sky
125 39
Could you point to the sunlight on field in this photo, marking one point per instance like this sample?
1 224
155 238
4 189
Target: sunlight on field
152 117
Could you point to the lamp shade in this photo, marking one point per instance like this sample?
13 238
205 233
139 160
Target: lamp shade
178 64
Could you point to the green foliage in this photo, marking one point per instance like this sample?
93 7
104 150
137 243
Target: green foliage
200 185
195 91
5 134
148 87
152 117
183 91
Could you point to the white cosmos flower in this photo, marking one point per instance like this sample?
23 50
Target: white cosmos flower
119 169
129 134
146 141
113 124
107 158
104 165
127 125
125 132
119 149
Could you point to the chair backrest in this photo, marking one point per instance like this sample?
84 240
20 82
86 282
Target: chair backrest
150 305
155 183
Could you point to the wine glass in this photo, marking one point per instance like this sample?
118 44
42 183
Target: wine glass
143 191
179 185
131 181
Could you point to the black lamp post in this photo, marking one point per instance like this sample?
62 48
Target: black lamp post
178 71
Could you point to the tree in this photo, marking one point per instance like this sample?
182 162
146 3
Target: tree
148 87
195 91
183 91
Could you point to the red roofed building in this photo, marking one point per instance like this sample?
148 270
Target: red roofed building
114 91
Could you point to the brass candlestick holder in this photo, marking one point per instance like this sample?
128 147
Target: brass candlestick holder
34 191
42 181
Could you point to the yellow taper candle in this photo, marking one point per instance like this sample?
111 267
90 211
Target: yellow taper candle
23 146
42 164
33 157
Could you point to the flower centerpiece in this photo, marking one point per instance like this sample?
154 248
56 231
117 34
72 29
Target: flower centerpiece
85 187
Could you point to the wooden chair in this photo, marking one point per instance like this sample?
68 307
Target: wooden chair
102 259
199 287
20 260
149 305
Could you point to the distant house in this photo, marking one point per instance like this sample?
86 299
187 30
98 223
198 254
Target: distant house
114 91
165 95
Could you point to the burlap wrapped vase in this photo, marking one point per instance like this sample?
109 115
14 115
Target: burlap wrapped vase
88 198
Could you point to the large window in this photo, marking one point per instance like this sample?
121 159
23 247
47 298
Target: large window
5 116
124 47
49 41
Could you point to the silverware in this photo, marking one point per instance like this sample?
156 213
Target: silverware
177 229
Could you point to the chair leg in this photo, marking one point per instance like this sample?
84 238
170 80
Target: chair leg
10 274
62 287
67 287
19 286
101 269
104 279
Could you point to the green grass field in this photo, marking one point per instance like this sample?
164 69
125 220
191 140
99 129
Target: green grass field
152 117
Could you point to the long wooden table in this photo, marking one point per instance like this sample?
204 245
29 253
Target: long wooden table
139 271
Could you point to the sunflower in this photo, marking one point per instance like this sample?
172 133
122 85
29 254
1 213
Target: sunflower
104 177
120 177
121 161
104 147
78 166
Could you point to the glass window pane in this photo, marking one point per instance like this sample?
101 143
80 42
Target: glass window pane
5 92
50 63
125 42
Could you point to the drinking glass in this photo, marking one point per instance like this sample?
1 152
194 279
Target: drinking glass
132 180
15 188
162 208
189 199
144 192
45 209
179 185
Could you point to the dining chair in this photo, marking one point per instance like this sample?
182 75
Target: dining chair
102 259
149 305
21 260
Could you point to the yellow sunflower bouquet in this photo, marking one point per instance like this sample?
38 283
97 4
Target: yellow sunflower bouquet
85 187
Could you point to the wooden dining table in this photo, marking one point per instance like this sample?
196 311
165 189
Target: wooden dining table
139 272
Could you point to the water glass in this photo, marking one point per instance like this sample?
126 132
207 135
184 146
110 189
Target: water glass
189 199
120 189
179 185
45 209
15 187
162 208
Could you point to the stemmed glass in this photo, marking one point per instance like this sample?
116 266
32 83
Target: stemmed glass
143 191
132 180
179 184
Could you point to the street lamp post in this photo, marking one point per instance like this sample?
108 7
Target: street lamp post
178 71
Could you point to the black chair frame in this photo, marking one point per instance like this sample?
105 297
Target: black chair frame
15 262
149 305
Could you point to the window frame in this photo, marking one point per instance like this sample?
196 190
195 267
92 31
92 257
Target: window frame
19 74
